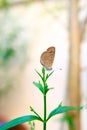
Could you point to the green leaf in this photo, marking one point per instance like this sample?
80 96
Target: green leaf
48 89
60 104
39 75
19 121
48 75
43 72
39 86
62 109
32 109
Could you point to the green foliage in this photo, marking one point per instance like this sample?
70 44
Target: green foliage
39 86
44 77
32 109
19 121
32 125
13 52
3 4
43 88
6 55
69 120
62 109
8 51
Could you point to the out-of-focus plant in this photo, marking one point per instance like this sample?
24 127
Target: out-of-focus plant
13 52
32 125
6 3
3 4
68 118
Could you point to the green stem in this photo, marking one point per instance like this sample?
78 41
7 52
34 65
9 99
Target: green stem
44 122
44 96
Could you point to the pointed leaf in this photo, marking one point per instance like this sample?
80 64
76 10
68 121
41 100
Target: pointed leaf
32 109
60 104
43 74
39 75
43 71
18 121
48 89
39 86
62 109
48 75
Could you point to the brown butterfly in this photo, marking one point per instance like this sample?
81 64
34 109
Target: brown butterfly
47 58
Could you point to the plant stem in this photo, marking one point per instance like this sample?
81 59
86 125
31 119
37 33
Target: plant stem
44 96
44 123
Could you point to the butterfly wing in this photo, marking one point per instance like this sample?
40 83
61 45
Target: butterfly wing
47 58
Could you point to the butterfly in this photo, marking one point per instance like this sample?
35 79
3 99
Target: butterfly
47 58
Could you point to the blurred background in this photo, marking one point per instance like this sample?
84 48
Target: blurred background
28 28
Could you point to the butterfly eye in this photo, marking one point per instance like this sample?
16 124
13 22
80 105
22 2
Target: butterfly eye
47 58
